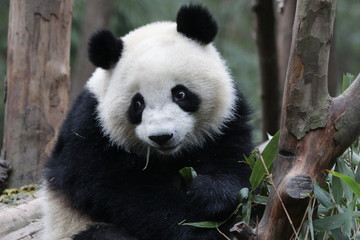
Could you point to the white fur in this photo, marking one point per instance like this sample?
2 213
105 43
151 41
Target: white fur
155 59
168 118
61 221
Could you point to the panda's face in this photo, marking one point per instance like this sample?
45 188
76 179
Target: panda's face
163 115
167 93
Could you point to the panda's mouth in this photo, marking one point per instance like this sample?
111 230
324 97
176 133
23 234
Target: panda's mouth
167 149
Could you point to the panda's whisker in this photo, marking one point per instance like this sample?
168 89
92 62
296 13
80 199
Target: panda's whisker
147 158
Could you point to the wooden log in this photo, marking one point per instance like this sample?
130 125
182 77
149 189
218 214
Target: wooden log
14 218
33 230
37 83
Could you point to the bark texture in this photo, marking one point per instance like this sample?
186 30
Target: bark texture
266 45
37 83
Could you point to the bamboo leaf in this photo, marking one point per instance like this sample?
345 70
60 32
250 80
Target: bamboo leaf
188 173
310 223
349 223
354 186
243 194
250 160
211 224
260 199
357 175
268 155
205 224
337 189
348 78
330 223
322 196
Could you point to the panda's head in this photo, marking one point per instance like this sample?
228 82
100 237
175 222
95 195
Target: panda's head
163 85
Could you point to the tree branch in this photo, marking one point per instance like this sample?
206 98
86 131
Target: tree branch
348 123
266 45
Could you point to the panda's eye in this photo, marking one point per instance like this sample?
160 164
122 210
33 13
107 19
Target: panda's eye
179 95
186 99
138 105
136 108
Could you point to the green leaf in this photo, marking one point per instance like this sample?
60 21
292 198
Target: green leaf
246 212
188 173
355 158
349 223
268 155
343 168
348 78
205 224
337 189
330 223
337 234
211 224
357 175
354 186
322 196
243 194
258 199
250 160
356 215
310 223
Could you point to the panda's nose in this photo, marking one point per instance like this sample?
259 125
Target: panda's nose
161 139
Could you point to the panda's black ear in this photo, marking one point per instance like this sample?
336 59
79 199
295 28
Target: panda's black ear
104 49
195 22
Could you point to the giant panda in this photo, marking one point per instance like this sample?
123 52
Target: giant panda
161 99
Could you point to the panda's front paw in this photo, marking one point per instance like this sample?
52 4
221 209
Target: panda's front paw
212 200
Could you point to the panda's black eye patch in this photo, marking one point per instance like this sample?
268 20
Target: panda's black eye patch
186 99
136 109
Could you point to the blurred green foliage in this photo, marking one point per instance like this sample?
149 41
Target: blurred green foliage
235 40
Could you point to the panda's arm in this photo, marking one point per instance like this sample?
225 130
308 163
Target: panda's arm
221 168
152 211
214 192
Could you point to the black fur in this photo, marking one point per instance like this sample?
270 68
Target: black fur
104 49
136 108
108 184
102 231
195 22
190 101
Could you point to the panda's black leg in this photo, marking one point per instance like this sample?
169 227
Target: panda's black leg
102 231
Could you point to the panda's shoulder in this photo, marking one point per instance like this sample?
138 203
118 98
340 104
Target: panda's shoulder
82 113
81 125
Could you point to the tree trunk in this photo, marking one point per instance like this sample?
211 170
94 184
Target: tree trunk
315 128
285 22
37 83
97 16
334 80
266 45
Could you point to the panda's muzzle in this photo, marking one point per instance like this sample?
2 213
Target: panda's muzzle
161 139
